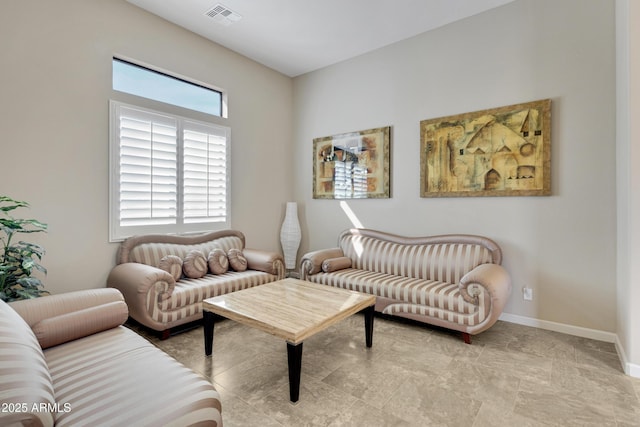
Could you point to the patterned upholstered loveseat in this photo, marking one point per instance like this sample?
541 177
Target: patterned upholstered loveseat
453 281
161 301
65 360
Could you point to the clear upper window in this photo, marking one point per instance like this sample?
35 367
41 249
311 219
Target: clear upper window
147 83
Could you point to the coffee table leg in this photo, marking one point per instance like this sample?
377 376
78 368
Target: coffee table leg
209 320
368 325
294 356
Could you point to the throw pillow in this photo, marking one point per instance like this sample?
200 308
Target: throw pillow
335 264
172 264
194 265
218 261
237 261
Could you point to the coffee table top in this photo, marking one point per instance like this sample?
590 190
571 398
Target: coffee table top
291 309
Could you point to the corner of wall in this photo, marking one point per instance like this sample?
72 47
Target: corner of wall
631 369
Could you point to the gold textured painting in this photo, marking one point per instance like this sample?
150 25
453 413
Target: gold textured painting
499 152
352 165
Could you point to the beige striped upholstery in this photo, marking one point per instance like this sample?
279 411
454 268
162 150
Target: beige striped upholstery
158 301
24 375
152 253
109 377
453 281
118 378
188 294
447 262
56 319
431 298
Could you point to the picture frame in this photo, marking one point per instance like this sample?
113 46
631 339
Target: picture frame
353 165
503 151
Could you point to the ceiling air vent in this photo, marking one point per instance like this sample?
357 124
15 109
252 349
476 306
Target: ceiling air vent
223 15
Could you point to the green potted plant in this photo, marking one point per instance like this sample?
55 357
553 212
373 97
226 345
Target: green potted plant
18 260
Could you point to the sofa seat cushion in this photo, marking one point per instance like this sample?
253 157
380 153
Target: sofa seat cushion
418 296
188 291
188 294
118 378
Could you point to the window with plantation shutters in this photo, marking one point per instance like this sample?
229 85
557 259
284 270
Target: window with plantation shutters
169 174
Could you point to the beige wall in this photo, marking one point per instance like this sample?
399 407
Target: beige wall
563 246
55 72
56 83
628 174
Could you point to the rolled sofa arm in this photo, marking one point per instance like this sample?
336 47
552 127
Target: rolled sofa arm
133 278
494 278
144 287
267 261
311 262
56 319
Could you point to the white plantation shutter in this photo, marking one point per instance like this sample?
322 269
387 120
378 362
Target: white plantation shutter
148 175
205 173
168 174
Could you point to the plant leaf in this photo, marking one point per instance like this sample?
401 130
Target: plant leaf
14 204
29 282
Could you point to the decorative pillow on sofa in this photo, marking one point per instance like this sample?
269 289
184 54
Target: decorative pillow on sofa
172 264
195 265
237 261
218 261
335 264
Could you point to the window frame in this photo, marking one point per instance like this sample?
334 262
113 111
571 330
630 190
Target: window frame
171 75
118 232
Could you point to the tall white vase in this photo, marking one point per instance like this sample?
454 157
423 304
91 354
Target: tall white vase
290 235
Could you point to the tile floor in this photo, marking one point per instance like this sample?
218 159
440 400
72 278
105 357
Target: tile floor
414 375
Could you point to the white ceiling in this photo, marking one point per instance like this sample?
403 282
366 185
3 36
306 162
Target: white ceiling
298 36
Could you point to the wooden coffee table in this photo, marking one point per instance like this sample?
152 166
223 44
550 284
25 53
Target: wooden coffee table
290 309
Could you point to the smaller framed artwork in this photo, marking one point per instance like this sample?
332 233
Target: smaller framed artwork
352 165
504 151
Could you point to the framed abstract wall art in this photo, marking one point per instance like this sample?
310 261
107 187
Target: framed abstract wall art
504 151
352 165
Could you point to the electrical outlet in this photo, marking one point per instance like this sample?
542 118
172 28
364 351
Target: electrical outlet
527 294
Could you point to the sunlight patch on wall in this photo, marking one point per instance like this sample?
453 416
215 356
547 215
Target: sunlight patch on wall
356 223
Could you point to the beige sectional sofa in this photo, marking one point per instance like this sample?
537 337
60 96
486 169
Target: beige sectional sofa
452 281
160 300
65 360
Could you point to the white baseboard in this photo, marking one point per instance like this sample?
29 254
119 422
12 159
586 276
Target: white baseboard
630 369
578 331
